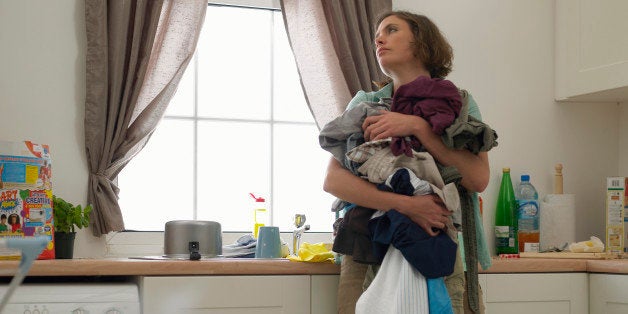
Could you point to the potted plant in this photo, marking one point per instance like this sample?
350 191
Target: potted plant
67 217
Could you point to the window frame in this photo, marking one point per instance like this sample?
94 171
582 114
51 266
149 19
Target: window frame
272 6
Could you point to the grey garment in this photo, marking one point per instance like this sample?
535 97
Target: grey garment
467 132
333 137
470 218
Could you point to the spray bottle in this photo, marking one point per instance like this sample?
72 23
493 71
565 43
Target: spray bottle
260 214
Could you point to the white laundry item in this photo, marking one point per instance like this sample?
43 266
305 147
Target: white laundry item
398 288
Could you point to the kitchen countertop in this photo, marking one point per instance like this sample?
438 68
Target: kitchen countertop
140 267
248 266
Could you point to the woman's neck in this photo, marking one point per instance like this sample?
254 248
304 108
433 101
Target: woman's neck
404 77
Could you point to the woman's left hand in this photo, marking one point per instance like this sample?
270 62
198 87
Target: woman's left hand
389 124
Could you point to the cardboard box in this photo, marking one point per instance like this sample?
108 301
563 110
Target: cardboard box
26 194
616 202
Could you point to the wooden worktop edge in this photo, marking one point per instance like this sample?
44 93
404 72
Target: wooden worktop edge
247 266
135 267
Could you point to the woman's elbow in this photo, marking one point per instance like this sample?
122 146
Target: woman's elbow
327 184
476 184
479 178
331 179
481 185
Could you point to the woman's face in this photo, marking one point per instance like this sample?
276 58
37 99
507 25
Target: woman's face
394 45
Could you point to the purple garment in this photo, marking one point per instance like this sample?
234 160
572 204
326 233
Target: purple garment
435 100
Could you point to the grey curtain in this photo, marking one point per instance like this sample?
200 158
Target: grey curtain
137 52
351 24
332 42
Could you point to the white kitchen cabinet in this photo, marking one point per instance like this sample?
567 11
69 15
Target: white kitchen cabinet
608 293
539 293
591 51
226 294
324 292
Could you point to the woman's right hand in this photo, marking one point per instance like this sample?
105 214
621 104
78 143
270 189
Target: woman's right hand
427 211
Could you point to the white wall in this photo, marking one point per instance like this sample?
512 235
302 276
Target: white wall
42 91
504 55
623 141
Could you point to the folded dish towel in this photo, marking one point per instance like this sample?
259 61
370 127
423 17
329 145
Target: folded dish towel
243 247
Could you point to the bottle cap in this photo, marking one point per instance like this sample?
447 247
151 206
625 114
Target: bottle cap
506 169
257 199
525 178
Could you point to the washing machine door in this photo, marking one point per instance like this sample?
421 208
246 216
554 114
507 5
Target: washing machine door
79 298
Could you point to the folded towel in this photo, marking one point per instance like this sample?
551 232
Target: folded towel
243 247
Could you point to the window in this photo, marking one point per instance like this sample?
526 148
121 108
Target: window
238 124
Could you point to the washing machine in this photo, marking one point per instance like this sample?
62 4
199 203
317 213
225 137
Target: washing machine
73 298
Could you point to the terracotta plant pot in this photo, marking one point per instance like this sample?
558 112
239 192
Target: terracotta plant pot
64 245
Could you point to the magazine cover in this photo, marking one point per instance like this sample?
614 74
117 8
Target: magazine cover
26 194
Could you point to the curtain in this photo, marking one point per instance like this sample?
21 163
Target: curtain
137 52
352 28
332 42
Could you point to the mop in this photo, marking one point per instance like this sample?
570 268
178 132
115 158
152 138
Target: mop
31 248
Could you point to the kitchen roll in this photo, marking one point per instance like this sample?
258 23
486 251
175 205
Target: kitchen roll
558 220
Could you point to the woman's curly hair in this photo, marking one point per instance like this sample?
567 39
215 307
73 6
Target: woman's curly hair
430 46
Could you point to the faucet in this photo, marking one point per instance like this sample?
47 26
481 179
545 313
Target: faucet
299 222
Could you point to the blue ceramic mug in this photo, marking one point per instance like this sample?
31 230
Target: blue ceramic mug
268 243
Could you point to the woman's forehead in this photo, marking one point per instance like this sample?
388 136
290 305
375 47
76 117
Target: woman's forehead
391 20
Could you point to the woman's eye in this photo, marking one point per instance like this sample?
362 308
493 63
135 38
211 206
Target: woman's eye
392 29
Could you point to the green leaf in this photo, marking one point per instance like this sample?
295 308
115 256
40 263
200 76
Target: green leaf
67 216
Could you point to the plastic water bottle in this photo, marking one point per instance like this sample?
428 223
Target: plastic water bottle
506 217
527 215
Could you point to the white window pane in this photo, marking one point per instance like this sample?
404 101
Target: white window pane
288 95
182 103
156 186
234 67
233 161
299 171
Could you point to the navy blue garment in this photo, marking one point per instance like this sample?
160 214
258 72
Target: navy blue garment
433 257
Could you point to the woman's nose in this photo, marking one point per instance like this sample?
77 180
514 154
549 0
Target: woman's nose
378 40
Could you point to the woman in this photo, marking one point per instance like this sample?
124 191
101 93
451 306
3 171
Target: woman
408 46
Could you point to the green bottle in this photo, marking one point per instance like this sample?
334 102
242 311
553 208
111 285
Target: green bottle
506 217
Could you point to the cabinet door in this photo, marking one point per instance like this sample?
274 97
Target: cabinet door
226 294
608 293
536 293
324 289
591 50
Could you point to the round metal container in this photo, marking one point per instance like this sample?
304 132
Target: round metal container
180 237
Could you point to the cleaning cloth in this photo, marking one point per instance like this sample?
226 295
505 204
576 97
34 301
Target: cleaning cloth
314 253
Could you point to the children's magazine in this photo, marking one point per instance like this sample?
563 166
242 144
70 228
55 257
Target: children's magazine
26 194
